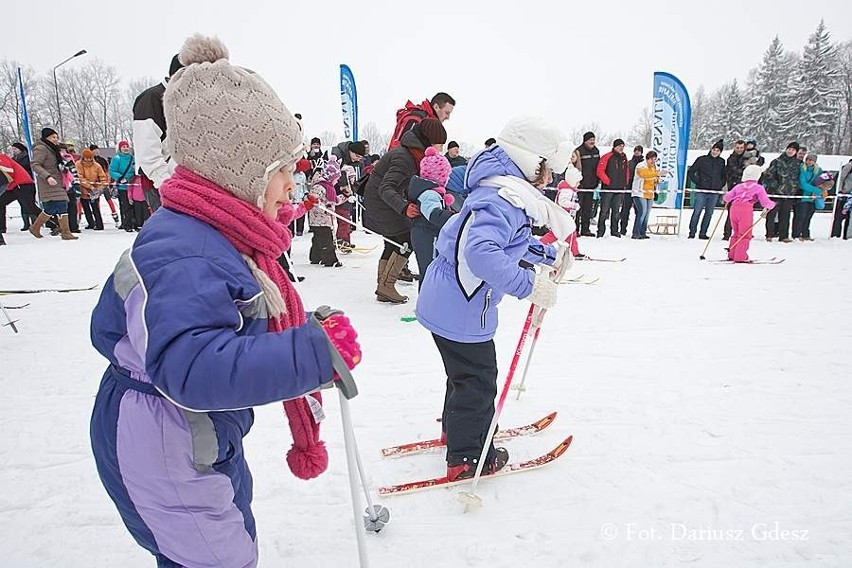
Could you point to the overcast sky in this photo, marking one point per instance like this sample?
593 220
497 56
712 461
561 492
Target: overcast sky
573 63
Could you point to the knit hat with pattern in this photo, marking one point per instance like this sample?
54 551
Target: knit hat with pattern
435 167
226 123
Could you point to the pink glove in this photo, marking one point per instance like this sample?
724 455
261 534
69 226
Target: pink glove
449 199
342 335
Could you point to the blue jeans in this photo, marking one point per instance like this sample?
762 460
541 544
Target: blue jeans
703 202
643 211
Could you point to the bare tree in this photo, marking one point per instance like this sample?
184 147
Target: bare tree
603 138
378 140
329 138
643 128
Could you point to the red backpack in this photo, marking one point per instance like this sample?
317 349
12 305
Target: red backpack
407 117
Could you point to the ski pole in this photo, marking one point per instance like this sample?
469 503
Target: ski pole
750 229
377 516
8 318
534 317
403 248
537 325
290 264
521 387
712 234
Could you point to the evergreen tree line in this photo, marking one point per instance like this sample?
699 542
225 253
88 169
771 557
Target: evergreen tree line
805 97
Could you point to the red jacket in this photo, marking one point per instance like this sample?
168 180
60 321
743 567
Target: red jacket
19 174
407 117
613 171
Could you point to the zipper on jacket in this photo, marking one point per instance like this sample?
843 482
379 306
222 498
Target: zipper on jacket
485 309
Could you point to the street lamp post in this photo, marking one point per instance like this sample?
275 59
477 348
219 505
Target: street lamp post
56 89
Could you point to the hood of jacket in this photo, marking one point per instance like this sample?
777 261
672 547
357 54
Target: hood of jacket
493 161
417 186
410 140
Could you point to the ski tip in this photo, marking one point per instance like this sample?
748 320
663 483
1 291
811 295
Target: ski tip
546 421
562 447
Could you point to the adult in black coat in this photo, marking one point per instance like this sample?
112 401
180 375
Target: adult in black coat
589 158
387 210
708 172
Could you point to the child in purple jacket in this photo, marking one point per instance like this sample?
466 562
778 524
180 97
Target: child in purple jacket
477 263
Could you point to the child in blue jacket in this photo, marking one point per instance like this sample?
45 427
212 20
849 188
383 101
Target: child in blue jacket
428 191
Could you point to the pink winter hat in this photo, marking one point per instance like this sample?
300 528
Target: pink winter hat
435 167
331 170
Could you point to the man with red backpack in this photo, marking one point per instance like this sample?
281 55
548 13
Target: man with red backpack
439 108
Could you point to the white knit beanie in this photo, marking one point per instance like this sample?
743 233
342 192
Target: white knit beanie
529 140
752 172
225 123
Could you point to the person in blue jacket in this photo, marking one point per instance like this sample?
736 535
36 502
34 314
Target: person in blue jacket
812 198
477 263
199 324
122 169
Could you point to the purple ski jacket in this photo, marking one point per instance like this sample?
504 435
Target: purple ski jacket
183 324
478 256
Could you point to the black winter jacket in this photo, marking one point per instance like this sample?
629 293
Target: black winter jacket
385 197
708 172
589 166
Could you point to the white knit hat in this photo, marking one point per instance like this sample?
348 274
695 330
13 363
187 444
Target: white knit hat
529 140
225 123
573 176
752 172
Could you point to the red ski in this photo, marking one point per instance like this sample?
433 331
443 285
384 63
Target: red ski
534 463
424 446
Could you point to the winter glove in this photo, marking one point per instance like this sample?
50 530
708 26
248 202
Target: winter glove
544 291
412 211
449 200
563 257
310 201
343 347
764 213
343 338
352 199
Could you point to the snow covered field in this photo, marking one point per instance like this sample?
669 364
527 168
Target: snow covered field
709 405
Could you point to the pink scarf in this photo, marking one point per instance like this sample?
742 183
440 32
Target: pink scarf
260 240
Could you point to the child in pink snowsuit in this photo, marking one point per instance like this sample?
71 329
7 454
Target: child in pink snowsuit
567 199
742 198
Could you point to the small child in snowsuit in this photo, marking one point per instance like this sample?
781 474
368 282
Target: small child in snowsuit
199 324
322 222
742 199
478 262
566 198
428 191
346 200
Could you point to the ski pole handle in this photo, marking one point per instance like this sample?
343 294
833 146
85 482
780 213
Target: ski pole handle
345 381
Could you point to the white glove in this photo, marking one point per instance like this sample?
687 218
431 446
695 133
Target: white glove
563 256
544 291
352 199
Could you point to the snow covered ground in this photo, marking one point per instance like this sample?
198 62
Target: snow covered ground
709 405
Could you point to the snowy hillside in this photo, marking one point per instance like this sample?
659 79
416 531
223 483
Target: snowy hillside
702 397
